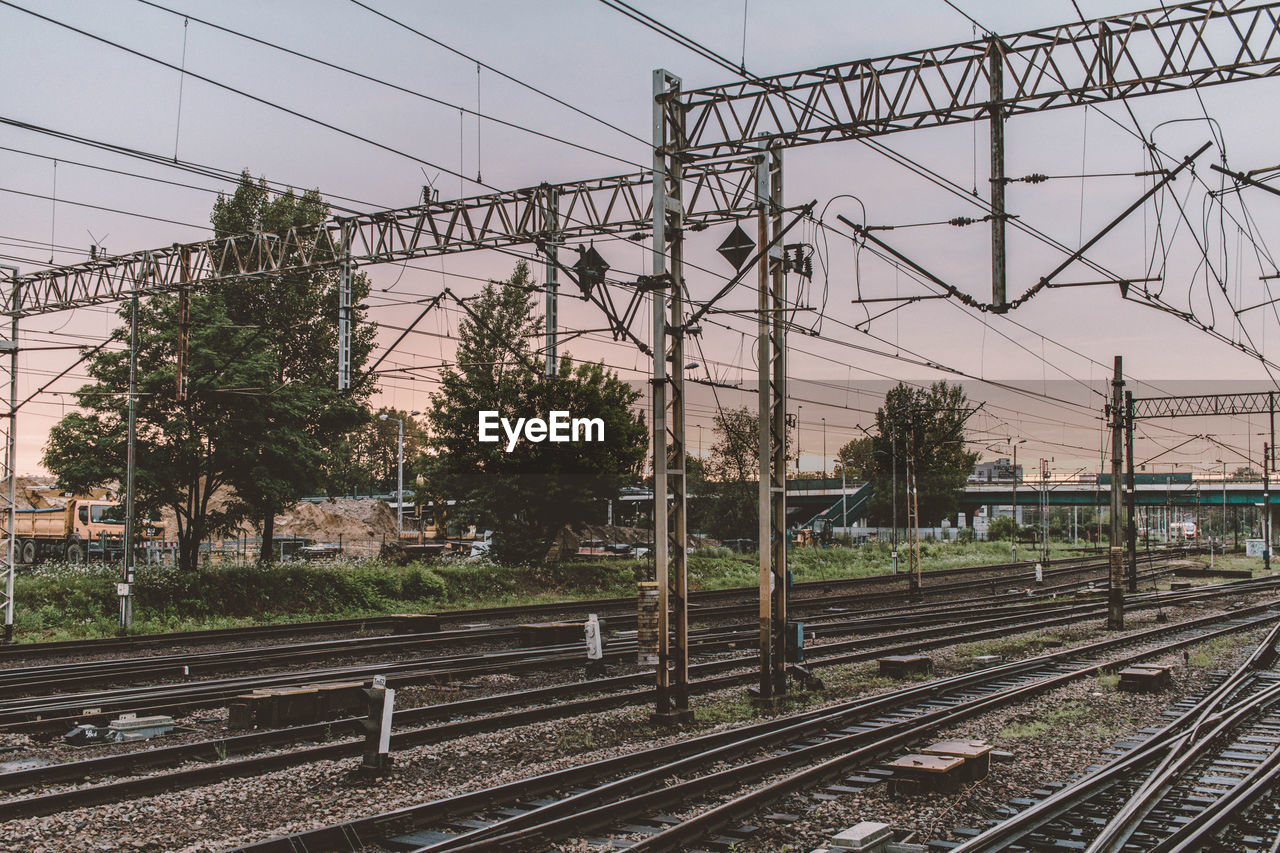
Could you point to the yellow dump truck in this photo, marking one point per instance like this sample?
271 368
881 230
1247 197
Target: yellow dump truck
74 532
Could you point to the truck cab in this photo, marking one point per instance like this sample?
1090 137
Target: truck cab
94 518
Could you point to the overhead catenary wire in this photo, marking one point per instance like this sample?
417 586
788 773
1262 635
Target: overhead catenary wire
476 113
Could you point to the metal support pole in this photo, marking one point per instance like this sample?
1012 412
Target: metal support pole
764 451
1115 588
1013 546
399 479
184 323
126 590
1266 507
778 426
676 455
1268 463
995 65
893 464
9 554
844 495
1044 511
1130 487
344 310
669 540
552 225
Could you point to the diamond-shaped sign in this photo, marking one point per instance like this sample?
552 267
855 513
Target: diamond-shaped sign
590 268
737 247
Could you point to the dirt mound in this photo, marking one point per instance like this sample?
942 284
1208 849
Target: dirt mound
43 493
354 521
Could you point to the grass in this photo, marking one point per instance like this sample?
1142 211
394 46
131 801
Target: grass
1207 655
1235 561
1073 715
713 570
1010 647
58 601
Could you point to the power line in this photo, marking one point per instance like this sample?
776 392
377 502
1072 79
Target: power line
500 73
388 84
266 102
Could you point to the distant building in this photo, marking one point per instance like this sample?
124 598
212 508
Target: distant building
999 471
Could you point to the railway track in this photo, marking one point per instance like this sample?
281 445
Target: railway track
1202 782
20 711
67 677
628 801
873 589
441 722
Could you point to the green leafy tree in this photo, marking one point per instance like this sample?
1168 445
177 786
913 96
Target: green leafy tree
528 494
370 455
855 456
732 476
1001 528
185 450
261 411
300 416
923 428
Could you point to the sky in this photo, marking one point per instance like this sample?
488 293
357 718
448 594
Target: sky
57 196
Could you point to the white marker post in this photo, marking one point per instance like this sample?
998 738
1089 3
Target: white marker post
377 726
595 647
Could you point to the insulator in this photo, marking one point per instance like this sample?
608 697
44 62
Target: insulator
961 221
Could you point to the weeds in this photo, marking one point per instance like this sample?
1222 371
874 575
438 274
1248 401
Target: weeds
1070 716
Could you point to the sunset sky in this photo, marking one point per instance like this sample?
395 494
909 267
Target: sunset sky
1050 359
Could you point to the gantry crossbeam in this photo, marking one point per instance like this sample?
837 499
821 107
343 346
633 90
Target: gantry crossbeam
618 205
1194 405
1184 46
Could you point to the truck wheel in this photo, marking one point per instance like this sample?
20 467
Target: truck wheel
27 551
75 553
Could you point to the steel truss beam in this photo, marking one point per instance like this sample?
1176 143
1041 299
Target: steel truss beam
1184 46
1204 404
618 205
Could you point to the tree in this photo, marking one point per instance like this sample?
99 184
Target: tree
855 455
923 428
366 458
526 495
185 450
261 411
732 476
300 414
1001 528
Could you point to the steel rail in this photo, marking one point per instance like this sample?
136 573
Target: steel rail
444 715
189 664
17 715
523 612
1069 798
377 826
